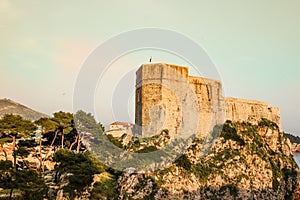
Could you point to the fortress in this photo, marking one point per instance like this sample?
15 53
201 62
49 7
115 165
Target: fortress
168 98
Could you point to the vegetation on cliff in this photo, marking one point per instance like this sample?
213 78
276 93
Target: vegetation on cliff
247 161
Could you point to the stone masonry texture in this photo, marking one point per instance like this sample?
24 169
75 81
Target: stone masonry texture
168 98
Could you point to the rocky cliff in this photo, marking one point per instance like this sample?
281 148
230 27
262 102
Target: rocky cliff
248 161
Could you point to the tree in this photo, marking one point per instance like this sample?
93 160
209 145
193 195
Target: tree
86 123
47 125
6 171
21 176
65 124
30 184
12 127
75 171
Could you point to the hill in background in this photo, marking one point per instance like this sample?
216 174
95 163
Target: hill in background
8 106
293 138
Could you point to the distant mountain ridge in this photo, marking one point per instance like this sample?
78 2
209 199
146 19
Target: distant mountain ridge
293 138
8 106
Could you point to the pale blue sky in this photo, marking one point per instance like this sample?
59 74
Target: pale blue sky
254 44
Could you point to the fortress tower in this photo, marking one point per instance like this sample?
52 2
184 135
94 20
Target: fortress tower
168 98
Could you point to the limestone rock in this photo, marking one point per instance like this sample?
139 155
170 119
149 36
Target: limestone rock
244 163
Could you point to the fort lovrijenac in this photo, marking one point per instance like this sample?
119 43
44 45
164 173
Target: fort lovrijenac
161 88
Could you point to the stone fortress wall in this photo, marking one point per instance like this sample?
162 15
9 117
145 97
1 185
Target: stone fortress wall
164 101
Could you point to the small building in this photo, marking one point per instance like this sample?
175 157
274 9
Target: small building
117 129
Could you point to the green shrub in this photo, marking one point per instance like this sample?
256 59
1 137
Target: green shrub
202 171
115 141
230 133
107 188
267 123
183 162
147 149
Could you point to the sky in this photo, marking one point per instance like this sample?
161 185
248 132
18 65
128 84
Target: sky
254 45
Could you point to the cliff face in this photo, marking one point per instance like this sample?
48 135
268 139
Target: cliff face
247 162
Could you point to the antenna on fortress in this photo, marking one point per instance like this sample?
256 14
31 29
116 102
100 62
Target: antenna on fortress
150 59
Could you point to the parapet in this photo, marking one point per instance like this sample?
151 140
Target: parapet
251 110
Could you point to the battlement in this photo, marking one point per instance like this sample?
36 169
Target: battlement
159 71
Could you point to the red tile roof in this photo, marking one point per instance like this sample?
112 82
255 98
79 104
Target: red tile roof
125 124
